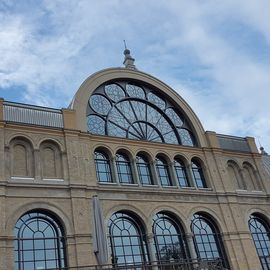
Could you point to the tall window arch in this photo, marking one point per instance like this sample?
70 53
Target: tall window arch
51 160
169 238
124 169
260 232
163 171
249 177
39 242
103 168
198 174
181 173
144 171
233 171
127 239
21 158
207 239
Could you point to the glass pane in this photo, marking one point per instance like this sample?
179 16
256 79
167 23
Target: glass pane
114 92
127 249
100 104
168 238
43 246
96 124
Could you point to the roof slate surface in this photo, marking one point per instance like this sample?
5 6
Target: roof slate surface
266 163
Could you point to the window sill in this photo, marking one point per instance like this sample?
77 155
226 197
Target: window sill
249 191
150 186
107 183
22 178
205 189
188 188
127 184
53 179
174 187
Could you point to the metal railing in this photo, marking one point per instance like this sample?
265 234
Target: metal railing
33 115
233 143
164 265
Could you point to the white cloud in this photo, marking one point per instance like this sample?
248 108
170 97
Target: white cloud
52 46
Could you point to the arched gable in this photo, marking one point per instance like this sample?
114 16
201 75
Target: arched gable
80 101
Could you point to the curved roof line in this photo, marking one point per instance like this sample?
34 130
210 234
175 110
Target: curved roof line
81 97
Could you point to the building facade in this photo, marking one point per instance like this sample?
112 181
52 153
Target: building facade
169 190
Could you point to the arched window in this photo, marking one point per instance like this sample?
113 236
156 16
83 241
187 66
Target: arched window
127 240
163 172
181 173
144 170
137 112
207 239
124 169
103 168
198 174
169 239
260 231
39 242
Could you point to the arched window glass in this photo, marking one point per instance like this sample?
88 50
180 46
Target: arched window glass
127 240
163 172
124 169
136 112
198 175
144 171
261 236
181 173
39 242
169 239
103 169
207 239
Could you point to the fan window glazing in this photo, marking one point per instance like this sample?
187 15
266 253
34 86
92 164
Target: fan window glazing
261 236
163 172
103 169
39 242
181 173
144 171
124 169
127 240
207 239
169 239
134 111
198 175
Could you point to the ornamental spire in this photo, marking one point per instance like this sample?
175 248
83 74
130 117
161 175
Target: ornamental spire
129 60
263 152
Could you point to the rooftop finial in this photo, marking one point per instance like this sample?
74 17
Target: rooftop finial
125 44
263 152
128 61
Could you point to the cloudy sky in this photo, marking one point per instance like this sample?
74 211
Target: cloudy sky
215 54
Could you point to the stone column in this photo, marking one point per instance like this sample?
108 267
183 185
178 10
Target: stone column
155 173
64 165
151 248
173 175
37 165
135 173
191 247
190 176
114 171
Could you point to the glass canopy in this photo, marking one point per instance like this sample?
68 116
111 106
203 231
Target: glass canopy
135 111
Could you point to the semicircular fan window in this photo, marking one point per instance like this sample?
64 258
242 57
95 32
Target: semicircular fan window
127 110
